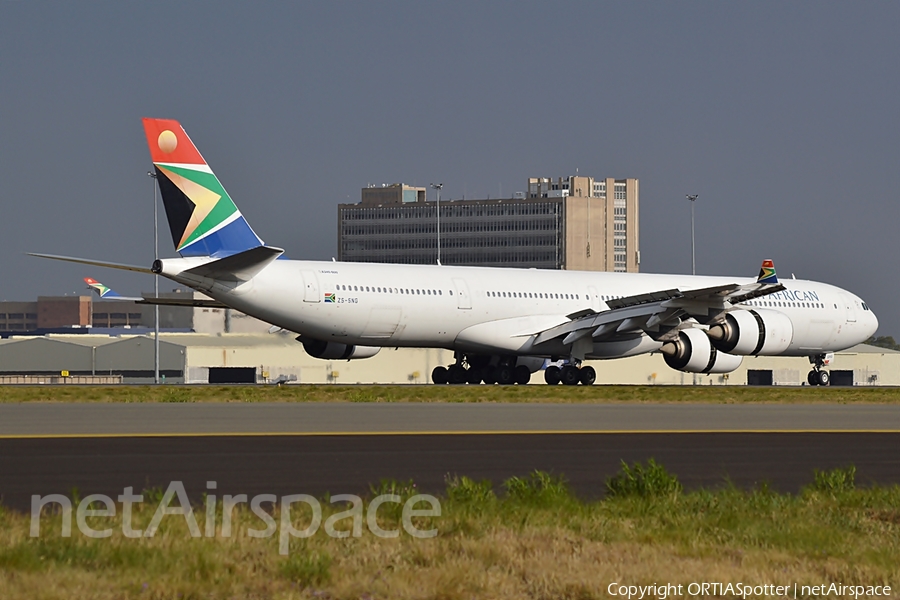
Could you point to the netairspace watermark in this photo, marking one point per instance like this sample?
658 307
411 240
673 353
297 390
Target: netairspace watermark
284 526
661 591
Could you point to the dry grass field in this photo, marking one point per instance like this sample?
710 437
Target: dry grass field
447 393
523 538
528 538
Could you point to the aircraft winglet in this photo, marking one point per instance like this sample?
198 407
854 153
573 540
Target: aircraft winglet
767 272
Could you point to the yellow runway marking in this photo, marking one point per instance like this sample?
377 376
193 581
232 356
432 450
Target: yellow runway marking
41 436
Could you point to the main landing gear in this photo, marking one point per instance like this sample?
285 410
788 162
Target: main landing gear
818 376
570 375
476 369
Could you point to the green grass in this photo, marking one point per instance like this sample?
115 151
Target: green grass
638 480
463 393
834 481
533 538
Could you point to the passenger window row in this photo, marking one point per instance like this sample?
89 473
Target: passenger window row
783 304
391 290
539 295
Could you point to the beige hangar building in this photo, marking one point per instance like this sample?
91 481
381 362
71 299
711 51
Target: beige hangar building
277 357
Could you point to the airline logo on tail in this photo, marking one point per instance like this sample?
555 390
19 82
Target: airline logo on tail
767 272
203 219
101 289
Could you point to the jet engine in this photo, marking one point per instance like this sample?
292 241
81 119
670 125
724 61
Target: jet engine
336 351
693 352
752 332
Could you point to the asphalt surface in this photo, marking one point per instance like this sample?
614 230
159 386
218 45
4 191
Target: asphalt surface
343 448
337 464
32 419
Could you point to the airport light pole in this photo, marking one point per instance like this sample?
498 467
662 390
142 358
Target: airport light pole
692 197
438 186
152 176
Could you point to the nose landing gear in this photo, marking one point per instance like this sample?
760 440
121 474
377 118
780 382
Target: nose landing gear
818 376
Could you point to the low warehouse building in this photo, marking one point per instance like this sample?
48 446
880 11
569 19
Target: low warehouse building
268 358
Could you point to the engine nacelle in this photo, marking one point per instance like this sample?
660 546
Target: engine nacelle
753 332
337 351
694 353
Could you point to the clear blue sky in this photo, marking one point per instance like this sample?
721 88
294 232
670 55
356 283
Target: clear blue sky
782 117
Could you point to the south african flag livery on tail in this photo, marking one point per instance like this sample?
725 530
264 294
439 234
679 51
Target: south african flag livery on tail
767 272
203 219
101 289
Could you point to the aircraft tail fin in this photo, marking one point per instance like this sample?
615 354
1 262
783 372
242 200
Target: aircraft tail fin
203 219
767 272
102 290
107 293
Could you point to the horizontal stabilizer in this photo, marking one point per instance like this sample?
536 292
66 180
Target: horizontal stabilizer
197 302
237 267
95 263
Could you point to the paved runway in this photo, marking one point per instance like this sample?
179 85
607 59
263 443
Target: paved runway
347 464
32 419
342 448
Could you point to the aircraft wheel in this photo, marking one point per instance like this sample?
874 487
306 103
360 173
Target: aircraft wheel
440 376
523 375
588 375
552 375
506 375
570 375
812 378
457 374
489 375
473 376
823 377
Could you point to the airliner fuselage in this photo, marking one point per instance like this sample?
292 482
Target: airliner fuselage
443 306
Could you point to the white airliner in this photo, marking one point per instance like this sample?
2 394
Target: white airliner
502 324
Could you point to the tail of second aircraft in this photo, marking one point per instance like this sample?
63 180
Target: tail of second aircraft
102 290
203 219
767 272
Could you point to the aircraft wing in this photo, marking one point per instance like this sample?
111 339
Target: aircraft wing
661 315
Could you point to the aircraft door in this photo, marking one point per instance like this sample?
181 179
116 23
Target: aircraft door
311 286
849 306
463 301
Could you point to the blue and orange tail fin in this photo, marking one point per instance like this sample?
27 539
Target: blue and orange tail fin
767 272
101 289
203 219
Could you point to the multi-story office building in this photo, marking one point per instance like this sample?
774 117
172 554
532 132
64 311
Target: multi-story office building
564 223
